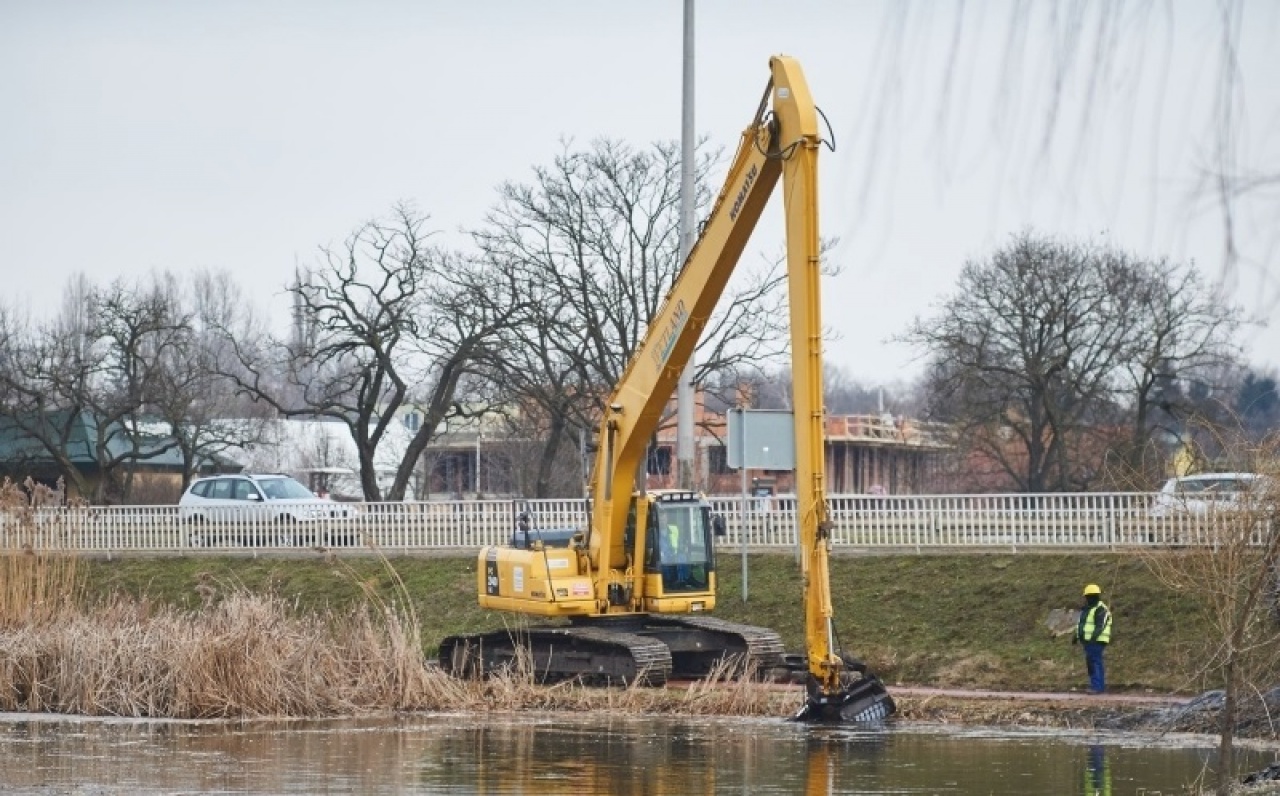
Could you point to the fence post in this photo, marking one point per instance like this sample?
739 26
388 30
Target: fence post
1111 522
742 524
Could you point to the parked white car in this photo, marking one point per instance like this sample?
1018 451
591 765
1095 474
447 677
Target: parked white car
1207 493
250 509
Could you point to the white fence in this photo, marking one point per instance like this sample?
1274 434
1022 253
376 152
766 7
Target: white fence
860 521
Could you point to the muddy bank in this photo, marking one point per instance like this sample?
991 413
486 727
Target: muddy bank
1259 719
1014 712
1259 716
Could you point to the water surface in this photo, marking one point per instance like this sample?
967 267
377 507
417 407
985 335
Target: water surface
562 754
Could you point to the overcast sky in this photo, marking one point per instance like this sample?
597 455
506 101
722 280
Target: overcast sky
243 135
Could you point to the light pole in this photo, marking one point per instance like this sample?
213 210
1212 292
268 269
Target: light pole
685 395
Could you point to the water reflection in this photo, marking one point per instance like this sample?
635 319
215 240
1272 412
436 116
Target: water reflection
557 754
1097 774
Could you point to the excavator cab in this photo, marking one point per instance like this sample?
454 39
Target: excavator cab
679 541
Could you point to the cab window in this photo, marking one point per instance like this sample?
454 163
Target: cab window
679 545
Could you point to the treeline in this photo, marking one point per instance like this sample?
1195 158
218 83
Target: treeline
1071 366
1050 360
536 320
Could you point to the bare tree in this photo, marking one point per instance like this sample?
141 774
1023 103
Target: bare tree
546 404
594 241
1022 350
197 403
53 368
1046 73
1181 329
391 323
78 385
1048 346
1234 574
47 366
528 464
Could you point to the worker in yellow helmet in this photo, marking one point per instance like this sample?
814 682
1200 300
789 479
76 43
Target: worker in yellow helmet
1094 631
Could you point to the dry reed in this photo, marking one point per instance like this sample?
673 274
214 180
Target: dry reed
247 655
250 655
36 583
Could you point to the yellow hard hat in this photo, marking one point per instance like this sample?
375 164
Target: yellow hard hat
1092 588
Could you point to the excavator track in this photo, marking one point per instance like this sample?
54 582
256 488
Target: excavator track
646 649
550 654
701 645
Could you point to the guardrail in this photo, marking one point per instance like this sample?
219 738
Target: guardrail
1101 520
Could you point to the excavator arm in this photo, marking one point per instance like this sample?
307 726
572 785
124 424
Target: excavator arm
783 140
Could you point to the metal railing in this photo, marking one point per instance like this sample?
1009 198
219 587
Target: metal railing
1091 520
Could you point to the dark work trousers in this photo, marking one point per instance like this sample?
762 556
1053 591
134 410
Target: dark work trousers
1093 661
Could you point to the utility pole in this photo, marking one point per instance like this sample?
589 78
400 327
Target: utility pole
684 391
477 473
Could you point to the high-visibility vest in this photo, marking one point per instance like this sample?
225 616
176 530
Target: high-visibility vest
1087 628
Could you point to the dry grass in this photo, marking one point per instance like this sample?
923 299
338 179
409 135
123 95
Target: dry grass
246 654
723 693
239 654
243 654
250 655
36 584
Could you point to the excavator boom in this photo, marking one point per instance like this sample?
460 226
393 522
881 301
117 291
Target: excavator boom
784 143
635 409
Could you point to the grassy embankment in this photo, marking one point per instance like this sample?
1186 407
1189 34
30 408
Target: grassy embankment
964 620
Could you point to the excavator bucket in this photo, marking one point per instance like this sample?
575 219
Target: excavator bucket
865 700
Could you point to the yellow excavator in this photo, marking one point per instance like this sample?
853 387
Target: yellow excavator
635 587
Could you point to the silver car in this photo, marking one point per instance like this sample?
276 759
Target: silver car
248 509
